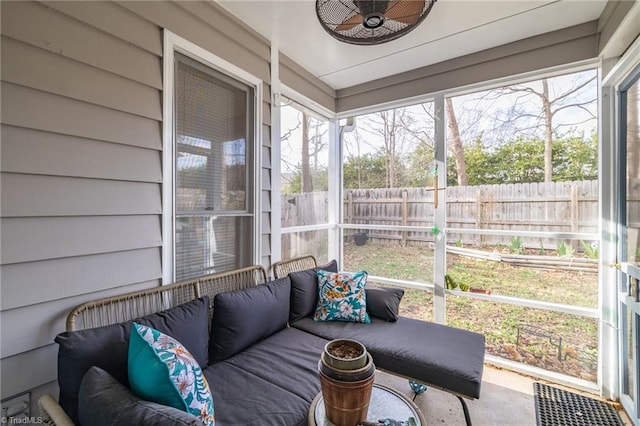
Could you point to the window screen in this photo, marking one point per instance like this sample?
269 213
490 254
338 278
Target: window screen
213 164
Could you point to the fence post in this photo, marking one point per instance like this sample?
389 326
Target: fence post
574 214
479 216
404 213
350 207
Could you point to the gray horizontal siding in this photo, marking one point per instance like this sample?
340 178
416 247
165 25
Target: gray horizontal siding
39 152
42 322
34 195
115 20
29 283
217 17
266 157
28 370
180 19
34 109
41 26
52 73
40 238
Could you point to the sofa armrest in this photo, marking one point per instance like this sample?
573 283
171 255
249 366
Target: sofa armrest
52 413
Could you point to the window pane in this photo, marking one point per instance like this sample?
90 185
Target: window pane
315 243
390 149
211 141
554 341
629 352
525 156
410 263
389 170
633 173
304 167
557 271
402 263
209 244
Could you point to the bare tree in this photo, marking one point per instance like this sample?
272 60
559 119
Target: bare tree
458 148
306 137
522 118
393 134
305 168
284 138
313 142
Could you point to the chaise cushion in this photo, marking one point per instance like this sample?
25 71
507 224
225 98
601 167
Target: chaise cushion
163 371
304 290
107 347
443 356
105 402
384 302
244 317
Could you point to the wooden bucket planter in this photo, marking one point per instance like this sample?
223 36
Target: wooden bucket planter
346 382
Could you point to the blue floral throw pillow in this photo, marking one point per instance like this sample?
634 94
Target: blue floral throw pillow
342 297
161 370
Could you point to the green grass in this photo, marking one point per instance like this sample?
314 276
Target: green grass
576 336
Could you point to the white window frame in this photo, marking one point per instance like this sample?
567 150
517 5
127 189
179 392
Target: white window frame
174 43
334 178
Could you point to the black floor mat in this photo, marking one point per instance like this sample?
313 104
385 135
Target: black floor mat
557 407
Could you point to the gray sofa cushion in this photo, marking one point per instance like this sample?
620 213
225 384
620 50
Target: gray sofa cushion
244 317
304 291
436 354
105 402
107 347
384 302
271 383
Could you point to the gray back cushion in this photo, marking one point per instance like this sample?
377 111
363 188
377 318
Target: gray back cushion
107 347
384 302
304 291
104 401
244 317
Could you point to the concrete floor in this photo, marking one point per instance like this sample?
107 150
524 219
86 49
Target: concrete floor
506 399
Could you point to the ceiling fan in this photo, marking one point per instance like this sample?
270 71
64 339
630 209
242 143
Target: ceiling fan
371 21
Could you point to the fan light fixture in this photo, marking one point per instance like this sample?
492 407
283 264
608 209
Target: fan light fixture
371 21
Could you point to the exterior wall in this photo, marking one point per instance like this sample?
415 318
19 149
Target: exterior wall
81 156
610 22
302 81
547 50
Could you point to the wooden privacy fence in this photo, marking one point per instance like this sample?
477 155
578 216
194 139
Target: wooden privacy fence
554 206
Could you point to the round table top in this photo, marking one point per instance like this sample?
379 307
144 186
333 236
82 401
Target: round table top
386 403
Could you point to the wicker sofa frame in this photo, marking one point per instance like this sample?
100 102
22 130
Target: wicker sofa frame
285 267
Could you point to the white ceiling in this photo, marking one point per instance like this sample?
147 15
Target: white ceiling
453 28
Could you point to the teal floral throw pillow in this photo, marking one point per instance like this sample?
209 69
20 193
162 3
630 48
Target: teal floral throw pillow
342 297
161 370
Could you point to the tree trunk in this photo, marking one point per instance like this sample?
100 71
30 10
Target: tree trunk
305 171
458 149
392 150
548 132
